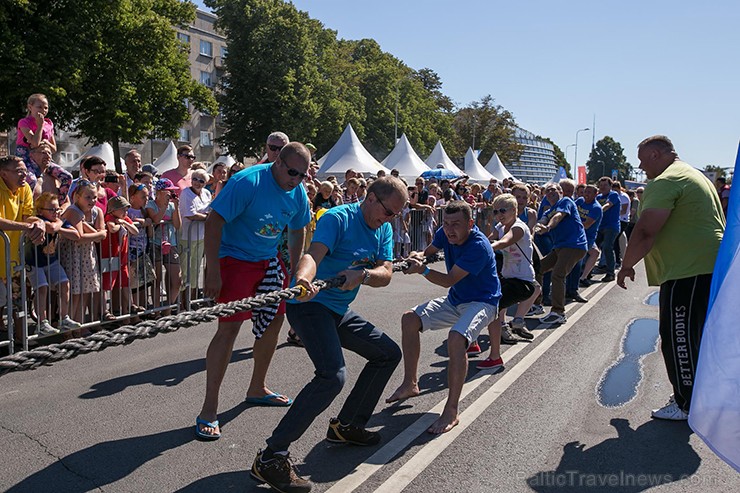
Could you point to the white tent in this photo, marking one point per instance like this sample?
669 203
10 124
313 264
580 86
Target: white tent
497 169
474 169
104 151
348 153
167 160
439 159
224 158
404 159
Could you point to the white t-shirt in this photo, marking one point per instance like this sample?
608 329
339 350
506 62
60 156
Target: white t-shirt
624 199
190 203
517 257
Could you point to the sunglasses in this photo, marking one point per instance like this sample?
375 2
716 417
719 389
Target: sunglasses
274 148
501 211
294 172
198 180
189 156
388 212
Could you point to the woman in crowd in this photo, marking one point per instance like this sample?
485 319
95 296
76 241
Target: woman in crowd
195 202
218 179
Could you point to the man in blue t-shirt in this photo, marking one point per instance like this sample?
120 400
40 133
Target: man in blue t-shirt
471 304
590 212
242 234
609 229
568 247
354 241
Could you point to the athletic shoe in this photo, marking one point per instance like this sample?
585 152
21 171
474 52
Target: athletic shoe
535 310
519 328
341 433
474 349
576 297
45 329
584 283
599 269
608 278
279 473
670 411
517 323
507 337
497 365
69 324
553 318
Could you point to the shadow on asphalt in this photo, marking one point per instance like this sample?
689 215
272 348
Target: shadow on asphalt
108 462
656 453
165 376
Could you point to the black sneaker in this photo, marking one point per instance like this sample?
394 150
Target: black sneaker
584 283
341 433
279 473
608 278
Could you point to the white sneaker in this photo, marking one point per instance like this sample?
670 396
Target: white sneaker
553 318
45 329
671 412
69 324
535 310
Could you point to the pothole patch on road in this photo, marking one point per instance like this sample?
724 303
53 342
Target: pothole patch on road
618 384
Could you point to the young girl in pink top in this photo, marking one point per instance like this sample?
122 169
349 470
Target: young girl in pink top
34 129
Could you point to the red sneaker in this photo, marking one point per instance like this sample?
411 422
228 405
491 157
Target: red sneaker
474 349
491 364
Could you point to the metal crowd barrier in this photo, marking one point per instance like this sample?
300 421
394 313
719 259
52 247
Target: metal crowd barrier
156 292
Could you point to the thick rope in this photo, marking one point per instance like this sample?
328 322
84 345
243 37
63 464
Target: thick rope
126 334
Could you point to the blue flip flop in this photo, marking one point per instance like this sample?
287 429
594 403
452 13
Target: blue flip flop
209 424
269 400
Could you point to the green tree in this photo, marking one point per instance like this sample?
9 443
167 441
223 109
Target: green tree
716 169
491 126
606 156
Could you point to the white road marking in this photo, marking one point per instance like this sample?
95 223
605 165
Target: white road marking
412 468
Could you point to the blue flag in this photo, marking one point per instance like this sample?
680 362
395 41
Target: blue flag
715 403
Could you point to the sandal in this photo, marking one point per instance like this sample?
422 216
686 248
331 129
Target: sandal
293 339
206 424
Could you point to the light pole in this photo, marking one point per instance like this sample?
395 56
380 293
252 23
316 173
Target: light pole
566 151
575 158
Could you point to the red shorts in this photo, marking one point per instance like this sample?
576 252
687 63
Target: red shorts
116 279
240 279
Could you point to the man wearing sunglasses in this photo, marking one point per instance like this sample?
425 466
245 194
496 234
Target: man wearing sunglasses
275 143
181 176
471 304
242 233
354 241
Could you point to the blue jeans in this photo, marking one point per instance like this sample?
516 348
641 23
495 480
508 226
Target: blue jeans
324 333
607 248
544 244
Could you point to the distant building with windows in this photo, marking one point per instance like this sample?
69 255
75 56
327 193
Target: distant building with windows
207 49
537 164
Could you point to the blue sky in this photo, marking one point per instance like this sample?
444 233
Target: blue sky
642 67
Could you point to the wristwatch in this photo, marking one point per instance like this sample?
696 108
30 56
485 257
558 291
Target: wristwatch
366 273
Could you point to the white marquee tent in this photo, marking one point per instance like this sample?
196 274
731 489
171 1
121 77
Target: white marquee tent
167 160
224 158
104 151
497 169
404 159
439 159
474 169
348 153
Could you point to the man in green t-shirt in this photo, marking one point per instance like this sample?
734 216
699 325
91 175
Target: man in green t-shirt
678 233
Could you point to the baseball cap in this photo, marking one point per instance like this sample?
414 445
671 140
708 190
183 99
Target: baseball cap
117 203
164 184
150 168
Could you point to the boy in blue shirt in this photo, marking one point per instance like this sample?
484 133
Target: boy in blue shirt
354 241
471 304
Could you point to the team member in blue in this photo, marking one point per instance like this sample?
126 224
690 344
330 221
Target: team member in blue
241 240
569 246
470 305
609 229
590 212
354 241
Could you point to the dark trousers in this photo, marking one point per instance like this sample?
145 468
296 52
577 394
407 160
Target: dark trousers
544 245
324 333
683 309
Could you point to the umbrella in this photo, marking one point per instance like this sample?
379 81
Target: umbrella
440 174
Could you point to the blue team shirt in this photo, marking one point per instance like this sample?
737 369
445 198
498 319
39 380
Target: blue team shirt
352 244
475 257
610 219
569 232
542 211
592 210
256 211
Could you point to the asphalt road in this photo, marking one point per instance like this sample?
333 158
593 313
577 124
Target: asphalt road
122 420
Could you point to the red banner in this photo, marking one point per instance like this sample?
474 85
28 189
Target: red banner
581 174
